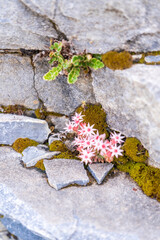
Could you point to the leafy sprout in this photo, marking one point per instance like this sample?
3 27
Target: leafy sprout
71 66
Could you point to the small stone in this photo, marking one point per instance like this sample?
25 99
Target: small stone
13 127
99 170
32 155
64 172
152 59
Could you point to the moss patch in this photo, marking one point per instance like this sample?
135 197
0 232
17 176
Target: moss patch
14 109
22 143
42 113
94 114
134 150
119 61
148 178
40 165
58 146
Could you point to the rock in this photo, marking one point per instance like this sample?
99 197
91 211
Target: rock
132 101
113 210
106 25
59 96
152 59
22 28
58 122
15 126
64 172
17 81
99 171
3 232
32 155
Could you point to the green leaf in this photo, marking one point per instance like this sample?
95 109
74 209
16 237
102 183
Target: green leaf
56 46
53 59
97 56
73 75
95 63
76 59
53 73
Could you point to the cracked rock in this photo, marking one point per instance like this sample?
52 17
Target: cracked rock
131 99
32 155
22 28
64 172
58 122
15 126
100 170
17 81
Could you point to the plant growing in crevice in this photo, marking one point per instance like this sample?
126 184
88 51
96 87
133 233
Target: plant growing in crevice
72 66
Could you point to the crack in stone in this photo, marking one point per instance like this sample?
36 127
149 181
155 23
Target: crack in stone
60 34
135 38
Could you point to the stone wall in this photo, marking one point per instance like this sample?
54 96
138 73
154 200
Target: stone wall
130 97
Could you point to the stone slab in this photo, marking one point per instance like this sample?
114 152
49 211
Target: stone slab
152 59
113 210
99 170
131 99
22 28
64 172
32 155
17 84
16 126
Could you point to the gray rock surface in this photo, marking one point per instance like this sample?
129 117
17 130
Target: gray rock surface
58 95
15 126
22 28
131 99
99 171
152 59
32 155
3 232
106 25
109 211
64 172
58 122
53 137
17 86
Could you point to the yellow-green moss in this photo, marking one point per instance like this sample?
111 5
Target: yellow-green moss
115 60
147 177
21 143
134 150
58 146
14 109
42 113
40 165
66 155
94 114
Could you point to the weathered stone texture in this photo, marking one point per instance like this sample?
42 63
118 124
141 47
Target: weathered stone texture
14 126
109 211
22 28
17 84
131 99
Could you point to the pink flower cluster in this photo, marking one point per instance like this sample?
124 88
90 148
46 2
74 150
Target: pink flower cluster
90 144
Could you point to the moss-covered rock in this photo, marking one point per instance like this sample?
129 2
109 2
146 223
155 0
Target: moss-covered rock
22 143
94 114
147 177
115 60
134 150
58 146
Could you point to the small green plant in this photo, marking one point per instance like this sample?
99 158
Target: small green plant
71 67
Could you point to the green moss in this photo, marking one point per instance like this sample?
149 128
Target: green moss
14 109
58 146
147 177
40 165
115 60
94 114
134 150
21 143
67 155
42 113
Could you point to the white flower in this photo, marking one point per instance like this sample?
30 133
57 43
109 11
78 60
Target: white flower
116 151
117 138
